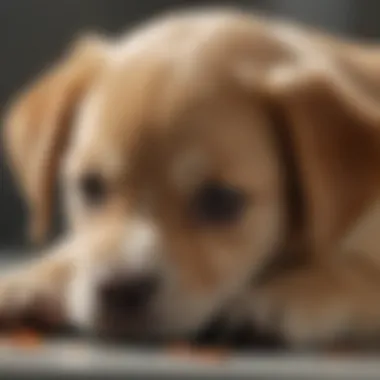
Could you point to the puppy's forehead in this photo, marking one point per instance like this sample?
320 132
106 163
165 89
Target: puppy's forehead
149 76
139 81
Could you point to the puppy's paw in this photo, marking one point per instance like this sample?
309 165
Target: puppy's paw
25 301
306 310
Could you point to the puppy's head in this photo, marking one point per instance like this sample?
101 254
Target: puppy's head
168 138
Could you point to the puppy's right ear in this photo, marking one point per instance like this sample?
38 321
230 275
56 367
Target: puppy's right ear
38 124
329 112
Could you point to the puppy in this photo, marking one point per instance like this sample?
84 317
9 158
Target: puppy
209 160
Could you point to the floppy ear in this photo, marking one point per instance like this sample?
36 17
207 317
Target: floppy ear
38 124
332 120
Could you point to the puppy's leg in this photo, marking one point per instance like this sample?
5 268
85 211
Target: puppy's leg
36 288
321 304
40 287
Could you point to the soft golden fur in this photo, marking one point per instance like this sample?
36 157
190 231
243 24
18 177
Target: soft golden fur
289 116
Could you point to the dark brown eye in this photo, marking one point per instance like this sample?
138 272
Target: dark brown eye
93 188
218 203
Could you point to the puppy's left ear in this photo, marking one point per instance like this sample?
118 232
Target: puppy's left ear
332 120
38 124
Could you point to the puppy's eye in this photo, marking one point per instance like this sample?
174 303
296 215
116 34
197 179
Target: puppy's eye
93 189
218 203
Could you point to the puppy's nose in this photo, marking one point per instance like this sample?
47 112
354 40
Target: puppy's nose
128 295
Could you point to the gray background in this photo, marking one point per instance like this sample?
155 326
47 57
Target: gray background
34 32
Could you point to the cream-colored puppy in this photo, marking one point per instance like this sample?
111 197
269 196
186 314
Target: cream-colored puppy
207 158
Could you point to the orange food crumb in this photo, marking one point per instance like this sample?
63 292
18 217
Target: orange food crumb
209 355
25 339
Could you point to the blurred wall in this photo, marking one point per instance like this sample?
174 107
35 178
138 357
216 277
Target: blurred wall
34 32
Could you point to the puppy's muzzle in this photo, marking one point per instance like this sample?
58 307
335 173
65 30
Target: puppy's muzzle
126 297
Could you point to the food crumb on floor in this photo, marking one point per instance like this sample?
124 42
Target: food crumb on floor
24 338
204 354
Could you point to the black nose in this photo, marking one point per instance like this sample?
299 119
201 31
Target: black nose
130 294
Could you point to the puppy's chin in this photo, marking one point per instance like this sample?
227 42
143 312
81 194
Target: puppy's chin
145 329
124 327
